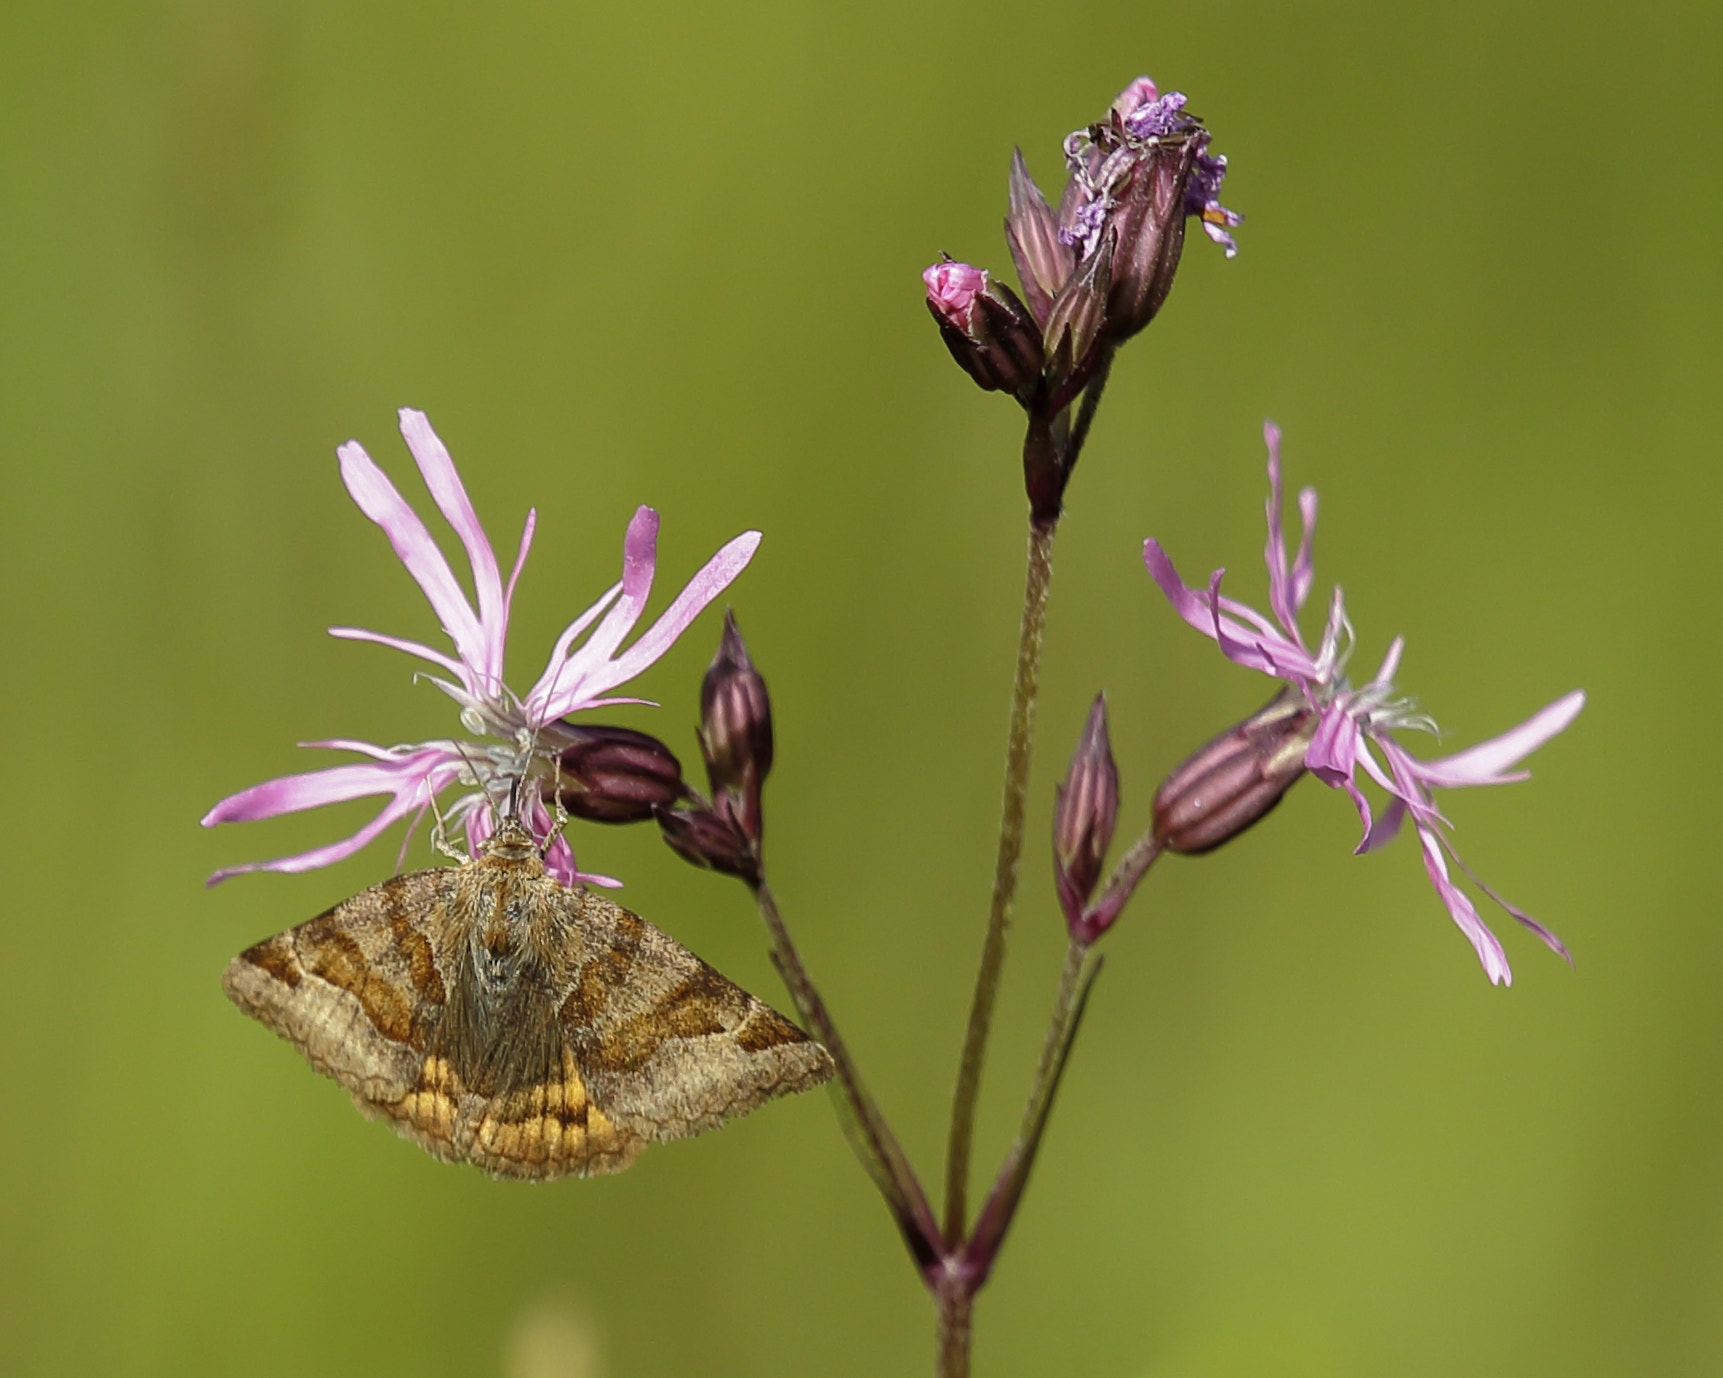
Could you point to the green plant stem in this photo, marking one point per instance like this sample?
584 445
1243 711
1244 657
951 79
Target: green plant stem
1058 1038
956 1308
1017 754
865 1126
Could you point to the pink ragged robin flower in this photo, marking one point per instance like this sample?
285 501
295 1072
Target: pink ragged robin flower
1357 726
516 736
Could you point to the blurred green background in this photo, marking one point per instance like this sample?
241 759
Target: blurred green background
667 254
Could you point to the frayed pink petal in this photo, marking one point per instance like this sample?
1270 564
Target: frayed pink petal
1362 804
480 823
322 856
1332 755
1464 913
1390 662
1550 940
577 677
1274 554
1386 828
716 575
1197 609
1485 763
1328 653
450 495
557 668
639 563
1304 565
413 546
559 861
527 529
395 643
334 785
1266 651
376 753
1401 780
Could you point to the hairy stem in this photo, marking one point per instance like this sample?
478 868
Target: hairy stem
1017 752
994 1219
956 1306
1058 1038
865 1126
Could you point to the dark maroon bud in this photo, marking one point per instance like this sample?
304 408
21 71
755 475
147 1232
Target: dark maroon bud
710 838
987 328
1085 811
1075 323
735 715
1043 260
614 774
1149 225
1236 778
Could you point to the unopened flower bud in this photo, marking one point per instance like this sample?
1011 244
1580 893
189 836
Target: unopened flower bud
1077 317
986 327
1043 260
710 838
1084 814
613 774
735 715
1236 778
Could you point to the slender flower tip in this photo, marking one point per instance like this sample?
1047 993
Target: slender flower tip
952 288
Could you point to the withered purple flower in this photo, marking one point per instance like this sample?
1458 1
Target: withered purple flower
516 737
1134 179
1354 724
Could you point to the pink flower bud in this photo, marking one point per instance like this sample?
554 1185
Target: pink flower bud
986 327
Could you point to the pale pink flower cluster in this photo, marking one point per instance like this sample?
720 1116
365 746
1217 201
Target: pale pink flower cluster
1355 724
506 726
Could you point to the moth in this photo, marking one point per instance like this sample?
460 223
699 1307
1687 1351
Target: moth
495 1016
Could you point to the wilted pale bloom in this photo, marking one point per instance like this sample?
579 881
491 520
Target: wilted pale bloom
1356 723
519 732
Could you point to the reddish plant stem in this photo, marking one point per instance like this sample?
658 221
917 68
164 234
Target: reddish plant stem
1017 753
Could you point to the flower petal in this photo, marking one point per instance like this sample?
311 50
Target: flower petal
310 790
1304 565
716 575
413 546
1259 650
527 529
1280 596
1464 913
450 495
1485 763
1554 943
1332 755
395 643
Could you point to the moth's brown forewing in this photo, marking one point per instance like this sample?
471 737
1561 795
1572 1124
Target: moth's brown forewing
496 1016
